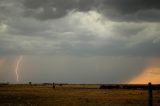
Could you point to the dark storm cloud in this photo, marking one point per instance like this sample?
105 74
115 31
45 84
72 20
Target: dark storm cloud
131 6
83 36
118 10
132 10
85 31
52 9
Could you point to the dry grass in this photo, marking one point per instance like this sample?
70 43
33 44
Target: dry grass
73 95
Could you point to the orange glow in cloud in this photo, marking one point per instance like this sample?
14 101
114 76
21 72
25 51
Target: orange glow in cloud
150 74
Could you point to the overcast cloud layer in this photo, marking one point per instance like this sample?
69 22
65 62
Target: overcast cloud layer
90 27
80 28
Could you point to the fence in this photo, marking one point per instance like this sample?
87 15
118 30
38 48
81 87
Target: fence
148 87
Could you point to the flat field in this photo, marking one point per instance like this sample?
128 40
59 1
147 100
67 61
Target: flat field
73 95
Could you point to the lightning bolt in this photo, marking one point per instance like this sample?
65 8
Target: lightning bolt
17 67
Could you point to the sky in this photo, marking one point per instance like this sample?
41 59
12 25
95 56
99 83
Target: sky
80 41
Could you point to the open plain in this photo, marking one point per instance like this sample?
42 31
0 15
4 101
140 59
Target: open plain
73 95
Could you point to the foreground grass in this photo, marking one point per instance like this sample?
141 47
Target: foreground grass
73 95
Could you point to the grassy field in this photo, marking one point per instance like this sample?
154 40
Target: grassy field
73 95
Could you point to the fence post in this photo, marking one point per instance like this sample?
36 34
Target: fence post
53 85
150 94
30 83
